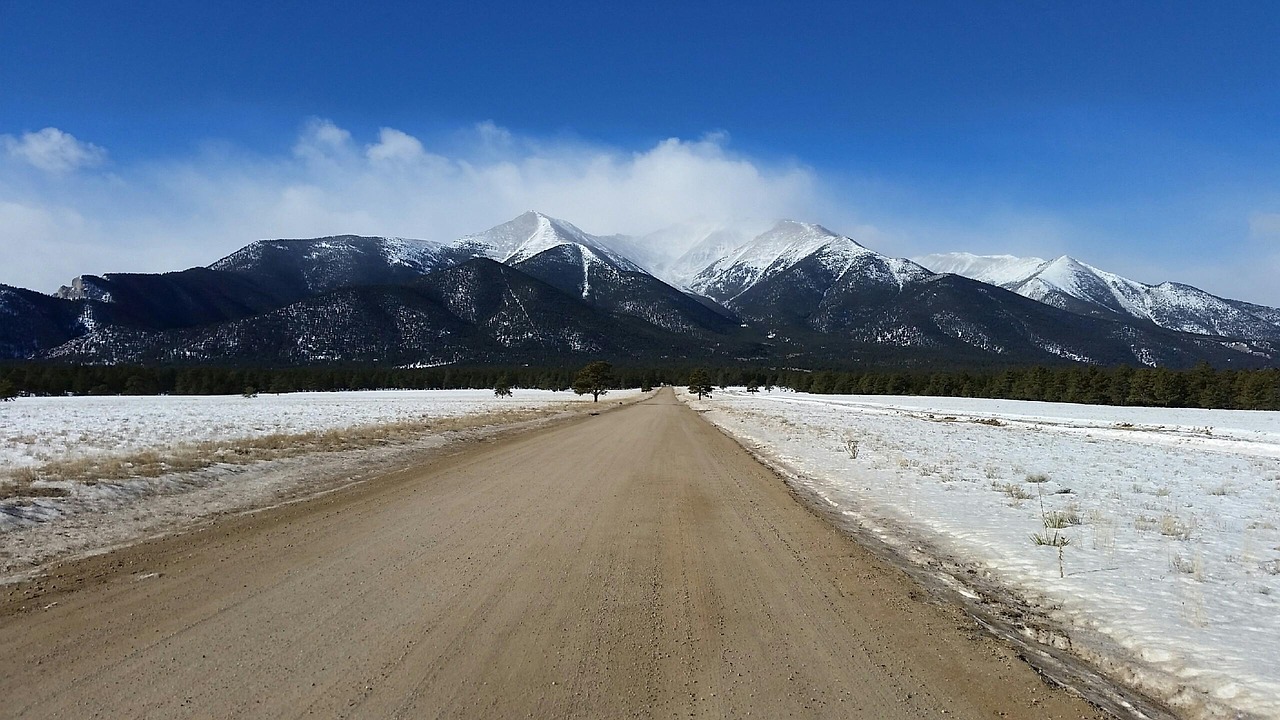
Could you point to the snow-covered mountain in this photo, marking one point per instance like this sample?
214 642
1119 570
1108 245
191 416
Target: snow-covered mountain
479 311
1067 283
1002 270
595 270
788 243
533 233
327 263
537 289
676 254
803 284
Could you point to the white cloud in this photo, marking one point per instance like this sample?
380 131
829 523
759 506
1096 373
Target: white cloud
52 150
321 141
494 136
394 146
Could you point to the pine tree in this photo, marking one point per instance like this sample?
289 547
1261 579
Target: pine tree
502 388
700 383
596 378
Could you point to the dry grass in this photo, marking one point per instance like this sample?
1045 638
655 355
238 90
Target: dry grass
196 456
20 483
1015 491
1059 519
1104 530
1175 527
1193 565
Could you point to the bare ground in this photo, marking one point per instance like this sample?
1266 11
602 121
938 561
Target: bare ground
634 564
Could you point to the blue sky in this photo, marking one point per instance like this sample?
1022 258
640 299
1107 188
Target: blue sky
1140 137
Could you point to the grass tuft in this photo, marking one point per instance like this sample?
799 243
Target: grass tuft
1015 491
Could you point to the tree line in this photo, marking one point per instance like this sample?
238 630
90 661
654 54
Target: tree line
1199 387
56 379
1202 386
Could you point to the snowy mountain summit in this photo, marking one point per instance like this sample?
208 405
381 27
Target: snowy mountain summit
532 233
1070 284
787 244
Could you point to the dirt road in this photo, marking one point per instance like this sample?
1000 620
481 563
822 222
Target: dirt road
633 564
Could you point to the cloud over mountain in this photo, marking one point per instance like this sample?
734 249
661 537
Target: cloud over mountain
184 211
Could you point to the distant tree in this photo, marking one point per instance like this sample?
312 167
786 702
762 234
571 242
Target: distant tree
646 386
700 383
502 388
594 379
133 385
7 390
250 391
753 388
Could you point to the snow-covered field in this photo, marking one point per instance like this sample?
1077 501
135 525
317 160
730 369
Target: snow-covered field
36 430
1172 570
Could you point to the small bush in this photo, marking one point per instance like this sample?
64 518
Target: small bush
1193 566
1013 490
1055 540
1062 519
1175 527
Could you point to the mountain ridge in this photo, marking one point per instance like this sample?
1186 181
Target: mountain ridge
1073 285
795 293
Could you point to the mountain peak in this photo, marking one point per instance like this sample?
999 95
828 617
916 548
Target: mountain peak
1002 270
1078 279
532 233
787 243
1066 261
789 225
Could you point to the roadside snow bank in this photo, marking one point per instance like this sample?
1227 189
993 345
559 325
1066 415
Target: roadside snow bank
1170 578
